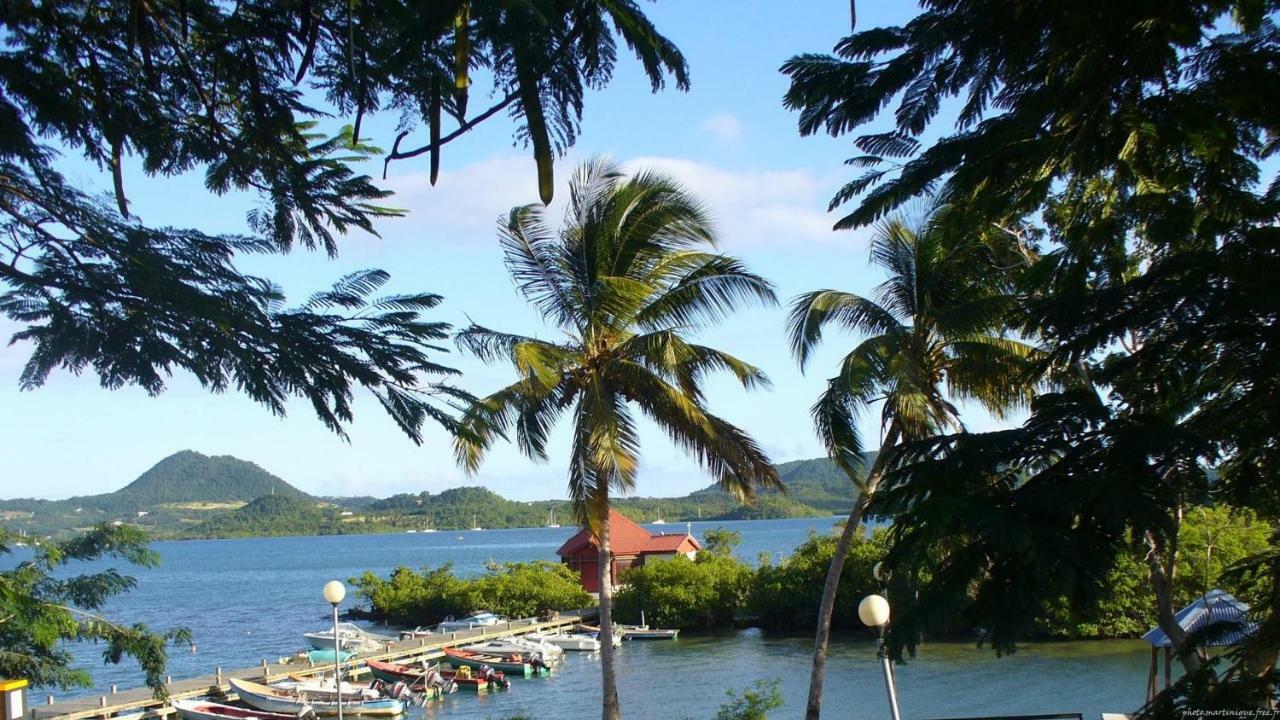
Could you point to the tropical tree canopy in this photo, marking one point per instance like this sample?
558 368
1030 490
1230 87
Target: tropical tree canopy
1127 141
235 90
632 271
42 606
931 333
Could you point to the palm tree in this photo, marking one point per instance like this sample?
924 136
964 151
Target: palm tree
630 274
929 335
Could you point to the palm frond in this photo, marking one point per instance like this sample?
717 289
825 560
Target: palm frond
708 289
812 311
723 450
535 260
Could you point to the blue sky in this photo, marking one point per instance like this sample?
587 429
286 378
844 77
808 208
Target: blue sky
729 139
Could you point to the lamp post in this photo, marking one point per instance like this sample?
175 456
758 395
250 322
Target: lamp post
334 591
873 611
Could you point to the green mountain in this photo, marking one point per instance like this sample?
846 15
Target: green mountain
190 477
176 494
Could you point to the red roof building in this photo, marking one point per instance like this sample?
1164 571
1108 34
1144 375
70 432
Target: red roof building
631 545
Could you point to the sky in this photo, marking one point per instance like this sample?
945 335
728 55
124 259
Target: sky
728 139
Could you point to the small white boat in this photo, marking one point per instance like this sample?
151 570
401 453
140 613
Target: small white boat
523 645
474 525
551 519
480 619
659 521
324 688
208 710
280 700
351 638
578 641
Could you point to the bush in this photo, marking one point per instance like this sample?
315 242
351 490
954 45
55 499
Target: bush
786 596
681 593
510 589
753 704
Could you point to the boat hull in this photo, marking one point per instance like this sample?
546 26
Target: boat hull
205 710
509 668
273 700
415 678
581 643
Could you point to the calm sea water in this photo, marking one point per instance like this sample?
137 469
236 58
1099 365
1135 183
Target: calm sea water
246 600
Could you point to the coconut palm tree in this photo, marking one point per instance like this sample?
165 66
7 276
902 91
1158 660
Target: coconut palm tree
632 272
929 334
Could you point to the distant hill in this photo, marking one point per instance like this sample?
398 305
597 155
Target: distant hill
175 494
189 494
190 477
269 515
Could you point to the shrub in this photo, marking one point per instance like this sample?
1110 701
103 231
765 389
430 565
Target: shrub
681 593
786 596
511 589
753 704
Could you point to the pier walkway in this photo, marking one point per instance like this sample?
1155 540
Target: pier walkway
138 702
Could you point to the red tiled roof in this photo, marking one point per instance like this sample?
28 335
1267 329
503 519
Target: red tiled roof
625 538
672 543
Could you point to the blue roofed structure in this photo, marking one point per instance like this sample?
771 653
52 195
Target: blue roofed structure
1215 606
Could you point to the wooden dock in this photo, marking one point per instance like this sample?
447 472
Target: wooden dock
138 702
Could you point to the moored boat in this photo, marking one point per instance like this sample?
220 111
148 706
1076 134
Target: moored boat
351 638
423 677
474 620
644 632
207 710
565 641
594 632
281 700
509 664
520 645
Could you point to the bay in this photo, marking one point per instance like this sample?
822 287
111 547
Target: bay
250 599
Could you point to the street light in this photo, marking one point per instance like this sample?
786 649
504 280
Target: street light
334 591
873 611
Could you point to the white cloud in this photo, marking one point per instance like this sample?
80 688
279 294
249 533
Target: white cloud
757 207
723 127
751 208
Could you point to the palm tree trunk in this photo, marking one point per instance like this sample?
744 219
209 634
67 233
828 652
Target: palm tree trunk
813 710
609 686
1162 586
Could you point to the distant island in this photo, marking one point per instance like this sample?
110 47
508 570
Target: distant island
190 495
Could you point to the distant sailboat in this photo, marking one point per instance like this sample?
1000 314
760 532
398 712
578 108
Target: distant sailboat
475 526
659 521
428 528
551 519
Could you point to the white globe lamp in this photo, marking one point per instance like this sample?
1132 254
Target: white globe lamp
873 611
334 592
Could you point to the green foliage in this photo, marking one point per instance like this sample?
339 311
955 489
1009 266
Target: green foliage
1125 608
721 541
784 595
705 593
269 516
42 606
510 589
753 704
216 88
1213 539
1126 151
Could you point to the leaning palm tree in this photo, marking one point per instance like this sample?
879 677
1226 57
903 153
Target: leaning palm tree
629 276
929 335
